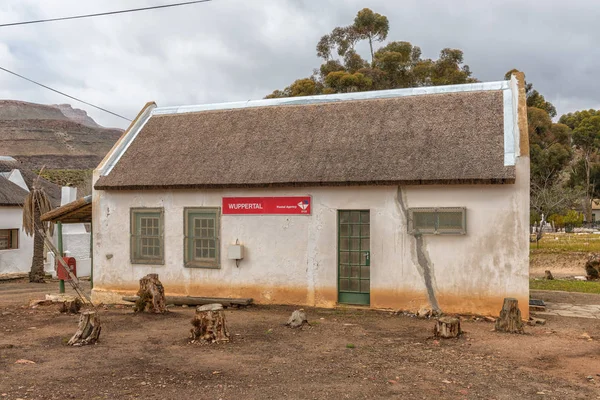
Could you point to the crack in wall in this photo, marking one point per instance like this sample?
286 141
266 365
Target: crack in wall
423 263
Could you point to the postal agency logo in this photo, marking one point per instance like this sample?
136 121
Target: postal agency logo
303 205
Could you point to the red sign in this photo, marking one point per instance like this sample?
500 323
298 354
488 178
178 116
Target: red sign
267 205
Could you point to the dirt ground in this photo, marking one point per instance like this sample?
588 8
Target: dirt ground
561 264
346 353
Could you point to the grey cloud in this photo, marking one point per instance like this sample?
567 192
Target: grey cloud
229 50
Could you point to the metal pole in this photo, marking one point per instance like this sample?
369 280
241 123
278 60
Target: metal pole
91 256
61 283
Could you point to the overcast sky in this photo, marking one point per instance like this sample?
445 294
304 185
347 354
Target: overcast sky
231 50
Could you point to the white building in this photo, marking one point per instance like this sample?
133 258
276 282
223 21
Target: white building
16 248
393 199
75 237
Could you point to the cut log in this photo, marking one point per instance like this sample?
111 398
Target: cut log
151 296
197 301
510 317
447 327
297 319
548 275
209 324
88 330
70 306
592 267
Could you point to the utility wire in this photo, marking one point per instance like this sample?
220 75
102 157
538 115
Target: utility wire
104 13
64 94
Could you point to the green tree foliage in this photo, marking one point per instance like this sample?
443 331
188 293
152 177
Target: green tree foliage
551 153
371 26
550 147
301 87
569 220
394 65
586 138
573 120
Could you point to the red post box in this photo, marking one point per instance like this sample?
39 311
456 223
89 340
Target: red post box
60 270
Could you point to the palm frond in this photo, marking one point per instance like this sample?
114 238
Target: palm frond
36 201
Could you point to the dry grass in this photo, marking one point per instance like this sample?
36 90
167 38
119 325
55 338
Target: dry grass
79 178
568 242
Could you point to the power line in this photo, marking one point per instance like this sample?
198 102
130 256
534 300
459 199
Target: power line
104 13
64 94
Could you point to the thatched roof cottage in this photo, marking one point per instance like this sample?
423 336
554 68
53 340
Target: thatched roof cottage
392 199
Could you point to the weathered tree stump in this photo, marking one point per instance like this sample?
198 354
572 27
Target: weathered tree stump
297 319
510 317
88 330
209 324
548 275
447 327
70 306
592 266
151 295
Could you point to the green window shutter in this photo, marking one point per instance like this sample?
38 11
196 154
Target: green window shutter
147 236
202 241
437 221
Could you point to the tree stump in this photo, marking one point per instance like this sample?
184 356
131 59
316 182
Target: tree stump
297 319
70 306
209 324
510 317
548 275
88 330
447 327
151 295
592 266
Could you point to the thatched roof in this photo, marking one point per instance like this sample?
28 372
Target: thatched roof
78 211
52 190
419 139
11 194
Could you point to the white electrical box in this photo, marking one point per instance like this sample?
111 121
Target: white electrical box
235 252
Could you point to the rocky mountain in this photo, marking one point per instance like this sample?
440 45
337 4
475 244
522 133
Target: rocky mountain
77 115
54 136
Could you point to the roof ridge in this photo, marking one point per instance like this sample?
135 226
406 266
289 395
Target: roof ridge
336 97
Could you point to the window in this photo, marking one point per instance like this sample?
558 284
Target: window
201 230
9 239
147 241
437 221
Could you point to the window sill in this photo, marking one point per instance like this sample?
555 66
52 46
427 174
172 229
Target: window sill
190 264
438 233
148 262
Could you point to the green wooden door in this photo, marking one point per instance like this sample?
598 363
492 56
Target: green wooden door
354 257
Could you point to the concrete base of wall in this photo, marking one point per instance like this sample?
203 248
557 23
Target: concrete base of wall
327 298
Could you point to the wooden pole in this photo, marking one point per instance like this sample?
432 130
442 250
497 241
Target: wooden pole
91 256
61 283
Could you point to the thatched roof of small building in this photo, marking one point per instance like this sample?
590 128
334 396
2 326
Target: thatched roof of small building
78 211
53 191
433 138
11 194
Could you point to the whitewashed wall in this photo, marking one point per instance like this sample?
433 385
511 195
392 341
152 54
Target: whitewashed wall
17 260
293 259
76 240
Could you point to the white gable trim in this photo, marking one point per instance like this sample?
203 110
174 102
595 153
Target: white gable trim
16 177
127 140
329 98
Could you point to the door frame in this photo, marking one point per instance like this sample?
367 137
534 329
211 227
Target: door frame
352 298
